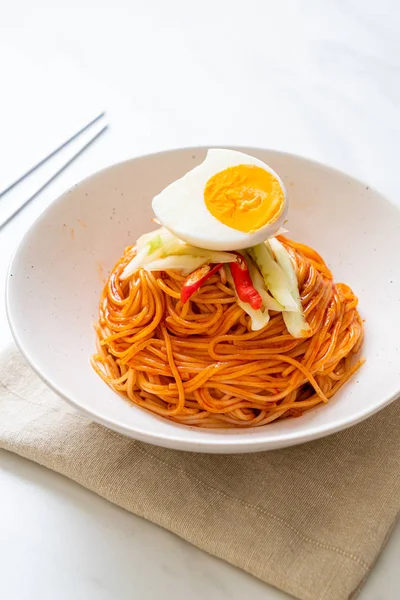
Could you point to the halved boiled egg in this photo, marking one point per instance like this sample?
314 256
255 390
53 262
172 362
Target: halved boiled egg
229 202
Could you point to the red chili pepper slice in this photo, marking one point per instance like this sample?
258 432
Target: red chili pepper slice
243 284
196 279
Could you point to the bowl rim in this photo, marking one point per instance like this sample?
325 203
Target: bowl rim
231 443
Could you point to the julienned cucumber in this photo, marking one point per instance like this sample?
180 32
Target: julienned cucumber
295 322
275 278
161 250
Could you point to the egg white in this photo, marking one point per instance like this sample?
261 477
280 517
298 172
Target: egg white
181 208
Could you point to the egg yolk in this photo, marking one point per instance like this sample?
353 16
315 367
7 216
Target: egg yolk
244 197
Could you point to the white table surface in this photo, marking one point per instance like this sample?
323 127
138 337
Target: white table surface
315 78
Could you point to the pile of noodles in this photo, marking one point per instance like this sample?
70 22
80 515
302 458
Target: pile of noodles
200 364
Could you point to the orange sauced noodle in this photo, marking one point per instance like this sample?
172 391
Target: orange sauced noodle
200 364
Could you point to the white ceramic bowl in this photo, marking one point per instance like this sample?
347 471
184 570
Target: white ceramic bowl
55 280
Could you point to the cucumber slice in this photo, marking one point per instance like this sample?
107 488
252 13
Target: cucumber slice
295 322
275 278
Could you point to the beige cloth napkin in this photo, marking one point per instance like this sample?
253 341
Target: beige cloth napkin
310 520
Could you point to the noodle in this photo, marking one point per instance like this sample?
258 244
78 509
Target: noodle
200 364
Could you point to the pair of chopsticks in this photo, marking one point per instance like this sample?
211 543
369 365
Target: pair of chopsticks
44 160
